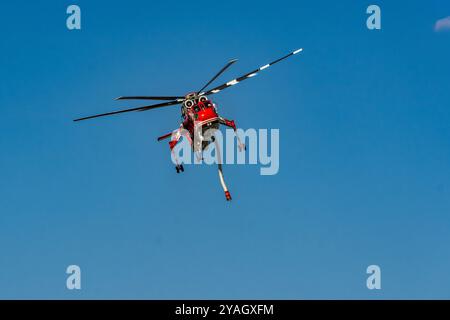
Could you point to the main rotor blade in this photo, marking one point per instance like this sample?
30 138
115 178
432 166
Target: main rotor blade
149 98
247 75
218 74
145 108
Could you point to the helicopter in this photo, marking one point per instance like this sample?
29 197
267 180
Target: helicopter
199 115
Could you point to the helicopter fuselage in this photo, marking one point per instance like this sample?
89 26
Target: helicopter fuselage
198 120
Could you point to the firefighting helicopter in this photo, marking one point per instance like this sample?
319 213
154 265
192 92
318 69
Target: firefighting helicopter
199 115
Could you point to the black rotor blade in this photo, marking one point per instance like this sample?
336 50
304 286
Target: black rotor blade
149 98
218 74
154 106
248 75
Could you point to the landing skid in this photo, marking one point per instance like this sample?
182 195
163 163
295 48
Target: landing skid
179 168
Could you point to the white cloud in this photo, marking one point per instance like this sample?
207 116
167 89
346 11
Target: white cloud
442 25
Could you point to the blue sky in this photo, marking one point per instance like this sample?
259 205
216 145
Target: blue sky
364 156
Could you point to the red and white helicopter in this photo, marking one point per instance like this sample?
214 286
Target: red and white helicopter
199 114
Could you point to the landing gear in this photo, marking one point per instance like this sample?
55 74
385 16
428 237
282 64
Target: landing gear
179 168
241 146
231 124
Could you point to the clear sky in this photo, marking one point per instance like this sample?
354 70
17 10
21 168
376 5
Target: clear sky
364 160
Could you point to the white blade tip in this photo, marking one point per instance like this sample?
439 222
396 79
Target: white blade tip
297 51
